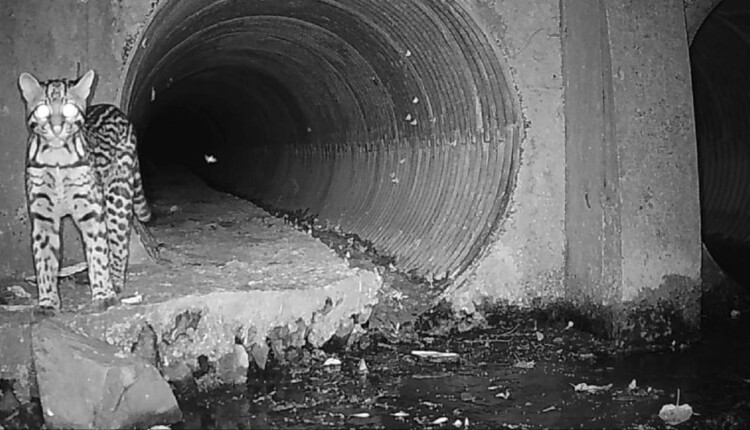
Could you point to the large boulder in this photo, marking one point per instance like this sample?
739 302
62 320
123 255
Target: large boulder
86 383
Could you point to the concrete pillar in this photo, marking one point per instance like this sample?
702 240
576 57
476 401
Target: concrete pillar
632 210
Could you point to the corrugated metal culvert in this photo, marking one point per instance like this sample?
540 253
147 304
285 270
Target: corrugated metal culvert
393 120
721 91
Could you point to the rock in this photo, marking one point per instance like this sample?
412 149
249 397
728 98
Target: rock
259 351
15 355
8 400
232 368
177 371
146 345
86 383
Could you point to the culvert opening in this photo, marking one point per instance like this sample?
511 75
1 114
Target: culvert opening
394 122
720 62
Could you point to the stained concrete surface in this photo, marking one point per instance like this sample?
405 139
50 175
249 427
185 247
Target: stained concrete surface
232 274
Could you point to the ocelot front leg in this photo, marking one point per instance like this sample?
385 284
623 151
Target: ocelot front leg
45 244
88 214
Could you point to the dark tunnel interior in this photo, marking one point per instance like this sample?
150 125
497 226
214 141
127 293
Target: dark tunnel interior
720 62
391 121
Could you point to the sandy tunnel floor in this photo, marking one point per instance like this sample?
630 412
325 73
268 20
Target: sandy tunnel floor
212 242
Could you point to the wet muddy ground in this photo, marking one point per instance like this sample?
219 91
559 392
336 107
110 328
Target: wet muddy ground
517 369
519 374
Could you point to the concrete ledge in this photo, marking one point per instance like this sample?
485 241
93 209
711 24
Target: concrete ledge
218 320
209 325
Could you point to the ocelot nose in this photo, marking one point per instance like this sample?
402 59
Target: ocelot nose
57 128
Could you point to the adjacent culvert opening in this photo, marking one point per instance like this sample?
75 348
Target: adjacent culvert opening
391 121
720 61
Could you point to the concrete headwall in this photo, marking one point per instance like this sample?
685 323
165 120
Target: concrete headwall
606 210
470 153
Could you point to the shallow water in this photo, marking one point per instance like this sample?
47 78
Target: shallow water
712 376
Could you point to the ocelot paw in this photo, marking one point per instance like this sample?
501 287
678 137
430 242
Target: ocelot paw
42 311
102 304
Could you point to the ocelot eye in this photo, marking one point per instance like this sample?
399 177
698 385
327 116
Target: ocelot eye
69 110
42 112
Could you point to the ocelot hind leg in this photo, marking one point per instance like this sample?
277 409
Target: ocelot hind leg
119 218
90 220
45 234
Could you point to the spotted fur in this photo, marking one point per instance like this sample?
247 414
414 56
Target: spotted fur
81 162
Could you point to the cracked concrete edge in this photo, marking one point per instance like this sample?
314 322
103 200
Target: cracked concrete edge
247 315
250 316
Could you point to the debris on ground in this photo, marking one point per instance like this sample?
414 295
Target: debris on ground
436 356
590 389
65 272
677 413
524 364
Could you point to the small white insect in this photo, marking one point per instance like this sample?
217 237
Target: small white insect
153 94
413 122
210 159
408 117
415 100
407 54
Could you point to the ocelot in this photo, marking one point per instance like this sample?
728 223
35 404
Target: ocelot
81 162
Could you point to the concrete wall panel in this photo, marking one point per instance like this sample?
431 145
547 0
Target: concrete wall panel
525 259
655 132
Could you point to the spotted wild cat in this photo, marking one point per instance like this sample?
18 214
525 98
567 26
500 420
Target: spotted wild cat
81 162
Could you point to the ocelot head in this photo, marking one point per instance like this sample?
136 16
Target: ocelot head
55 113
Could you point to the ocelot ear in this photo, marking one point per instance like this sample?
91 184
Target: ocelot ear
30 88
82 88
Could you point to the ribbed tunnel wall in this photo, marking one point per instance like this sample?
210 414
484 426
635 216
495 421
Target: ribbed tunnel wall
720 61
392 120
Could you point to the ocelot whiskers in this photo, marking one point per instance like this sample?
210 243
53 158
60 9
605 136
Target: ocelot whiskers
81 162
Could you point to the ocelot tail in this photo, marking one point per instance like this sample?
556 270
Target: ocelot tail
81 162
